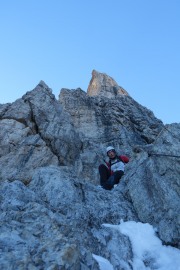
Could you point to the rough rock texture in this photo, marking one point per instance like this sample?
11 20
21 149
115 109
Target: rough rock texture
153 184
35 132
101 121
51 205
56 222
103 85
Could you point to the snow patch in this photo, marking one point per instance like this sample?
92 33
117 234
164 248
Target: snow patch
148 251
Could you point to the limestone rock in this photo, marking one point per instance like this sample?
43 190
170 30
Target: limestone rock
21 162
152 182
20 112
30 237
58 222
51 205
103 85
81 210
35 131
101 121
11 134
53 124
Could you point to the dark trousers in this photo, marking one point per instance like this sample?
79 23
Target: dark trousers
107 180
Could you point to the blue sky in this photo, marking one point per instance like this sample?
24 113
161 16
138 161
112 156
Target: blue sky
62 41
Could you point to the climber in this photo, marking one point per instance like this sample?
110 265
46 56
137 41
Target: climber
112 171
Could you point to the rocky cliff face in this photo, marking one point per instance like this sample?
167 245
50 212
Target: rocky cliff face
52 207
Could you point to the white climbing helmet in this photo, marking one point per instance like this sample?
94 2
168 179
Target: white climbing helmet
109 148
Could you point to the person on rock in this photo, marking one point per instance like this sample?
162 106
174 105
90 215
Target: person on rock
112 171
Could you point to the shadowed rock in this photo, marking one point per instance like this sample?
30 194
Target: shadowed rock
152 183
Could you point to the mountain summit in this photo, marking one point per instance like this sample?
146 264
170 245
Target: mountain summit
103 85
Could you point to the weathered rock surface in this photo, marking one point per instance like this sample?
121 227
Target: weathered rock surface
103 85
35 132
51 206
53 124
56 221
101 121
153 184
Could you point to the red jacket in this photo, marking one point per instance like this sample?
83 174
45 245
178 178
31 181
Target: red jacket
124 159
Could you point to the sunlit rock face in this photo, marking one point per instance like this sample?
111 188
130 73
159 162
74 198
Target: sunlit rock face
52 207
103 85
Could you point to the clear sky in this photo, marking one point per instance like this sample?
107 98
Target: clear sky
137 43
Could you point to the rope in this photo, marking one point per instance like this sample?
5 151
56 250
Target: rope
165 155
160 134
162 154
175 136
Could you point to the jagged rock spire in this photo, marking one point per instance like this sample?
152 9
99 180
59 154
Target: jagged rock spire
103 85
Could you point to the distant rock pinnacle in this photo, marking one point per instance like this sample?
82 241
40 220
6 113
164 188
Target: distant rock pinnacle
103 85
